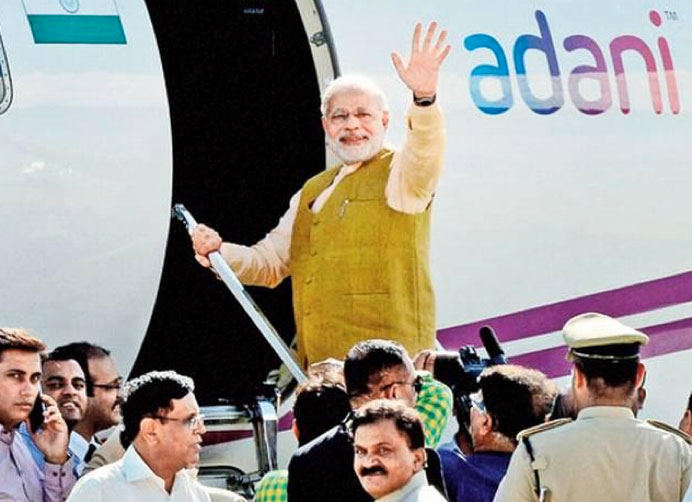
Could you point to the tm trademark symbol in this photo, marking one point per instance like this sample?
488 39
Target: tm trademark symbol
669 15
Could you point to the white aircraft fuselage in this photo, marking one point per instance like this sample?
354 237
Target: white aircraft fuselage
565 190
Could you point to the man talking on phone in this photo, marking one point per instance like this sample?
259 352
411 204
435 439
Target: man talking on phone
21 479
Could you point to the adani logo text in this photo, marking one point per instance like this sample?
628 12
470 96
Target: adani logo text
596 72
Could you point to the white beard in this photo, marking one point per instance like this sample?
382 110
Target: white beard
360 153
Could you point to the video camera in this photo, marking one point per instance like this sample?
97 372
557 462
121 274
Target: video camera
460 371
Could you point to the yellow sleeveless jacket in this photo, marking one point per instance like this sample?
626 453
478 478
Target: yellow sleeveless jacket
359 269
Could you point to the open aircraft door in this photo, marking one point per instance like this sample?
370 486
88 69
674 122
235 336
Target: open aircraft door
243 82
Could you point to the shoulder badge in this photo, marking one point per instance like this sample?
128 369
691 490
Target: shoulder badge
669 428
546 426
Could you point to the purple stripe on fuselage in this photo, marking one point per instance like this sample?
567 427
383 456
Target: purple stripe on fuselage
663 339
216 437
628 300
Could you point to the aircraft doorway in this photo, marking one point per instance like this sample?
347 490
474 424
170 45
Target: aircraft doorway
244 103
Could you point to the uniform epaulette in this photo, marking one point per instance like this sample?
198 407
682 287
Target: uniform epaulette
546 426
669 428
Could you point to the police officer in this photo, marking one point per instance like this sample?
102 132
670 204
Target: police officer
606 453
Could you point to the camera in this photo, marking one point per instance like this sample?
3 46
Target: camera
460 371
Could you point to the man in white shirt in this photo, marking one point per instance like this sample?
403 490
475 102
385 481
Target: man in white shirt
390 455
163 433
355 238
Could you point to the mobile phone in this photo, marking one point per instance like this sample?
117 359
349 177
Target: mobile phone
36 417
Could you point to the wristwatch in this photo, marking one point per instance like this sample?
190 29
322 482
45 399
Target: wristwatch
424 100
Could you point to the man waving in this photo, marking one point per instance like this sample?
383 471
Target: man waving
355 238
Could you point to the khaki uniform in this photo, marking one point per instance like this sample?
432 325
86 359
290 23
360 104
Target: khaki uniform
605 455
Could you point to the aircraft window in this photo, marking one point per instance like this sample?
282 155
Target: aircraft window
5 82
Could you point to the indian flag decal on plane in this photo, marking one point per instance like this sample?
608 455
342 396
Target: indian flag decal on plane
74 22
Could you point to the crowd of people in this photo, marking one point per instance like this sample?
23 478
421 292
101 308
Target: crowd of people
369 423
368 428
65 416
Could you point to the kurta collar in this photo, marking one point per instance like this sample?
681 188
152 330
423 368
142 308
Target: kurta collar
418 481
605 412
347 169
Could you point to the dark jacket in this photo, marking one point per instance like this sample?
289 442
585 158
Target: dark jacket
322 470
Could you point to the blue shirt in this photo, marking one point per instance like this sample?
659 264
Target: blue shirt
472 478
40 460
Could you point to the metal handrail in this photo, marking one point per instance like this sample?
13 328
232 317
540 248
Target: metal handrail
243 297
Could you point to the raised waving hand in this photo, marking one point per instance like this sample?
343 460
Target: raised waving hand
421 72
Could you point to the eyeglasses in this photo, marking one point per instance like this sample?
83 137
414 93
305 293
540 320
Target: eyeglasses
191 423
417 385
477 401
107 386
341 116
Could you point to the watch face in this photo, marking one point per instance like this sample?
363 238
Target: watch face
425 101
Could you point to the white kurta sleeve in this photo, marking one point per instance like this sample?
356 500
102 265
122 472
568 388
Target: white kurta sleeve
266 263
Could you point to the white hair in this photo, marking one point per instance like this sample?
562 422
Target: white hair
352 83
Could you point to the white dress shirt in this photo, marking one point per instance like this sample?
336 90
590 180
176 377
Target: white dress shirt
416 490
130 479
79 447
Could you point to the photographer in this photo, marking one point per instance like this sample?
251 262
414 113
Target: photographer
510 398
